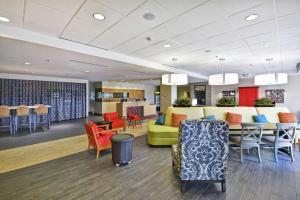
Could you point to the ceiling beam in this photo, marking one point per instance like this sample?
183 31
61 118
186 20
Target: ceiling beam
37 38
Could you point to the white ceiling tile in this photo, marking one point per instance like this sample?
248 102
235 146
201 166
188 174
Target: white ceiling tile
139 42
264 14
171 28
13 10
179 6
84 28
14 7
156 49
289 21
266 37
204 14
231 45
161 14
234 6
256 29
190 37
66 6
44 19
215 28
124 7
117 35
75 32
286 7
290 32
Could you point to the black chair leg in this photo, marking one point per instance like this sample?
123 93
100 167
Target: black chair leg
223 183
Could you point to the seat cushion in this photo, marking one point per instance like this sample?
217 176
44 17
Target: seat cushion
177 118
260 118
118 123
110 116
191 112
233 118
162 131
160 120
221 112
287 117
271 113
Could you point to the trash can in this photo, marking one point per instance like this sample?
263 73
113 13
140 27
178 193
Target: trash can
121 148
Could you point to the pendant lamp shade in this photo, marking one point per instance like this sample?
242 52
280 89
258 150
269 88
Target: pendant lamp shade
174 79
223 79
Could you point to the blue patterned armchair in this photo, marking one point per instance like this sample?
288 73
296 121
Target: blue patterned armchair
202 152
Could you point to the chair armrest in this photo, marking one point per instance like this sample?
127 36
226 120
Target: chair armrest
108 132
105 126
124 117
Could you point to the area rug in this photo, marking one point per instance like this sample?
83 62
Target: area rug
21 157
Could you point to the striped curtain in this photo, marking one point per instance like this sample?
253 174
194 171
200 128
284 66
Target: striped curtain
67 100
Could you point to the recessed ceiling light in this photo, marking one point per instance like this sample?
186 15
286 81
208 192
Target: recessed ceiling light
251 17
149 16
166 45
98 16
4 19
87 71
174 59
148 39
27 63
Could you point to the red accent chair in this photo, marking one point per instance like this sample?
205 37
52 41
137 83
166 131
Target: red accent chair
133 117
98 137
114 118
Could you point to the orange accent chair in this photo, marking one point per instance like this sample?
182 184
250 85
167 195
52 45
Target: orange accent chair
114 118
133 117
98 137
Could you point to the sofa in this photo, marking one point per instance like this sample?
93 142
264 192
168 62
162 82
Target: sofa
160 135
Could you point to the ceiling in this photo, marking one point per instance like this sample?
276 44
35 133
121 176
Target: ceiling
49 61
199 31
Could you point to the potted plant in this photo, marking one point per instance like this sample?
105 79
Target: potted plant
226 102
183 102
264 102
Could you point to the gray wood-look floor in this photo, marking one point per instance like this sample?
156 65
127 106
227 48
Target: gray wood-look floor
150 176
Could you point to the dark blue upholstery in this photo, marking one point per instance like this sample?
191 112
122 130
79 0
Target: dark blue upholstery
202 150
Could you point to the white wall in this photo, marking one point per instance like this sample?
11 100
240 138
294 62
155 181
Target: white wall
291 96
48 78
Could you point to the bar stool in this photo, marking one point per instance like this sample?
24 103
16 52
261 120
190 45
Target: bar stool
22 112
41 111
5 114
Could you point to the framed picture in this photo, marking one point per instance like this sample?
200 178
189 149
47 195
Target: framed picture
225 93
277 96
232 93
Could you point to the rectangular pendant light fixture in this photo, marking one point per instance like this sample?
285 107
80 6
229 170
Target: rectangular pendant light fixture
174 79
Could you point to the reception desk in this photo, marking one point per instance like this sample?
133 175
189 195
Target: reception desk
144 108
